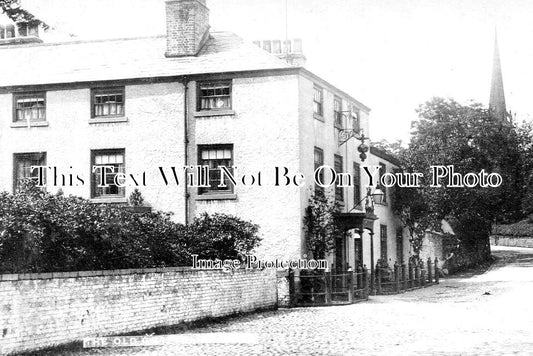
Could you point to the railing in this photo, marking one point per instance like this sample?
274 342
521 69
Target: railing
318 288
402 277
326 288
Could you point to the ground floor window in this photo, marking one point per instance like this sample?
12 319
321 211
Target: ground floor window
22 163
215 156
399 245
114 159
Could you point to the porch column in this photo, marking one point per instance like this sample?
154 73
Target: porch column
372 266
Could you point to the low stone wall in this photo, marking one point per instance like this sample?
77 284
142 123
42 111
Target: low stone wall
513 241
47 309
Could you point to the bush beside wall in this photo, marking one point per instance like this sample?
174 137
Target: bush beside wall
41 232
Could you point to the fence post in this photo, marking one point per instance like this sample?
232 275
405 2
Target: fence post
436 270
396 277
422 273
366 291
378 279
430 278
327 276
417 275
359 284
404 276
411 275
350 287
292 294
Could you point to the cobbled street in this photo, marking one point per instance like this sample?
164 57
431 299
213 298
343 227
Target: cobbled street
484 314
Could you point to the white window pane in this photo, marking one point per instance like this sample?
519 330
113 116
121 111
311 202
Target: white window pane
120 159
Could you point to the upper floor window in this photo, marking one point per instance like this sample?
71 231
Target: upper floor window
337 111
114 159
356 119
318 101
338 166
214 95
319 161
29 107
108 102
215 156
22 163
382 171
356 184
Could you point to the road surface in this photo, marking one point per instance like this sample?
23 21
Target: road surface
484 314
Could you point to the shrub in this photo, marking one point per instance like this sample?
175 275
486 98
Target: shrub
41 232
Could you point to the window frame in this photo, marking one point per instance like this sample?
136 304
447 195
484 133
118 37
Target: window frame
320 152
357 184
339 191
382 171
383 237
103 90
199 97
319 104
28 95
204 192
94 153
17 156
337 114
355 111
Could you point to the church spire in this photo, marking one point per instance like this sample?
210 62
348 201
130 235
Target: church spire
497 95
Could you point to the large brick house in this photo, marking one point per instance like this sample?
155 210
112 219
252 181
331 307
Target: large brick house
194 96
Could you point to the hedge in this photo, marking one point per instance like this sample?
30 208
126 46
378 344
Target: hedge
42 232
521 228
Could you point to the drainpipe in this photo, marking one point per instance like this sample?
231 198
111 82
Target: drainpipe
186 142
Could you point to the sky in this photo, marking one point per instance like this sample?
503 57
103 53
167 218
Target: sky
391 55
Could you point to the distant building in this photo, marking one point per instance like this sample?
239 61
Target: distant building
191 97
497 94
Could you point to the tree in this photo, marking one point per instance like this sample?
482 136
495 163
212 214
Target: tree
470 139
18 14
321 223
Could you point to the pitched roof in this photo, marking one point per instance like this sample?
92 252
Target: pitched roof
130 58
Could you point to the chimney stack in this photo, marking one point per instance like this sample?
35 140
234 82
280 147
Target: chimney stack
288 50
187 27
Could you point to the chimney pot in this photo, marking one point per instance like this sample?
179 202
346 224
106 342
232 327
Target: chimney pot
276 46
267 46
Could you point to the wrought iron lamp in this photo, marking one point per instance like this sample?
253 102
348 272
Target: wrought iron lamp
345 135
371 198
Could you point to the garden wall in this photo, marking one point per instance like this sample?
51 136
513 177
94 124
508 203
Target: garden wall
47 309
515 241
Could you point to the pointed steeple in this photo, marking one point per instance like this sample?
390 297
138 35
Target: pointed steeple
497 95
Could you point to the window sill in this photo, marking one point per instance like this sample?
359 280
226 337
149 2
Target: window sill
32 124
108 200
319 117
107 120
207 113
217 197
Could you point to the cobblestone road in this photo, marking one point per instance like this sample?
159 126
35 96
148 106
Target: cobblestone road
485 314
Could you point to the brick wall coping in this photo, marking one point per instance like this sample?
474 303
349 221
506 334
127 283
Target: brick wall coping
113 272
